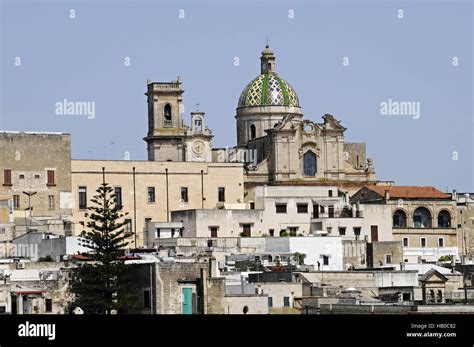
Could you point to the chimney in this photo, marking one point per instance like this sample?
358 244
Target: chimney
212 267
454 196
387 195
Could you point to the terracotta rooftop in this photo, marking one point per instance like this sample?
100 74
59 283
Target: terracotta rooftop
410 192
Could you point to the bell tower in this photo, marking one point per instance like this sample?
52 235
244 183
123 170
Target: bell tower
198 139
166 130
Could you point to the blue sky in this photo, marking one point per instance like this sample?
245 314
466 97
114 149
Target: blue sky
409 59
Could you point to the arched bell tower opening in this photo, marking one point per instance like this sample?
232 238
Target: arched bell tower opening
167 114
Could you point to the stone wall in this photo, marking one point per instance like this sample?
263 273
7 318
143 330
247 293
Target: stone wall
29 156
381 249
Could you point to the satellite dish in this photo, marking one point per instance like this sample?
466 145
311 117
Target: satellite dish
78 310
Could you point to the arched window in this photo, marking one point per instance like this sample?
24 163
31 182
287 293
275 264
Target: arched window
309 163
444 219
198 124
253 132
422 218
399 219
440 296
431 296
167 112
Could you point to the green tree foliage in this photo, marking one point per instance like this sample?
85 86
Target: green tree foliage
102 285
299 258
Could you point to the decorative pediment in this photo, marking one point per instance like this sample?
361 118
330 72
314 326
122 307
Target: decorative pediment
433 276
311 147
310 144
286 123
331 123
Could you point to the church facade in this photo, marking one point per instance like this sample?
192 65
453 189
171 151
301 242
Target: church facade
274 141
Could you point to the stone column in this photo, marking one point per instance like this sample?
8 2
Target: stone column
19 304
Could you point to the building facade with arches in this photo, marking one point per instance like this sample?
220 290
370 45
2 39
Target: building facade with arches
424 219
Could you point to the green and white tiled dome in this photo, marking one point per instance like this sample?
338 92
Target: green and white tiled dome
268 89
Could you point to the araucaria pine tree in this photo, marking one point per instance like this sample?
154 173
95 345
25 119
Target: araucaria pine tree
100 286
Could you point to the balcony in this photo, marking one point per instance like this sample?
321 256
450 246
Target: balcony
339 213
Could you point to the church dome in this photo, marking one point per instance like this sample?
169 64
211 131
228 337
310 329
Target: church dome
268 89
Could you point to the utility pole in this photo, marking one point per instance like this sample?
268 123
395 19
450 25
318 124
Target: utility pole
135 209
202 189
167 198
29 194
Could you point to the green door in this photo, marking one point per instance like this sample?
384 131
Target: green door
187 294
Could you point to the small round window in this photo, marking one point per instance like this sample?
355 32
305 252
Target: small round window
308 128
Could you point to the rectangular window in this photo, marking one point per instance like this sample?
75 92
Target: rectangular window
48 305
247 230
82 198
388 258
286 301
16 201
280 208
302 208
7 177
146 299
357 231
51 202
330 193
37 177
213 231
118 196
51 178
128 227
252 205
221 194
21 176
325 260
184 194
151 194
315 211
423 242
270 301
331 211
440 242
342 231
405 242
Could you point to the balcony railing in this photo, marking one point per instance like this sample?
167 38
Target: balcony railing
338 214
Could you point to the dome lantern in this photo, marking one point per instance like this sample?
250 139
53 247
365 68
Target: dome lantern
267 60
